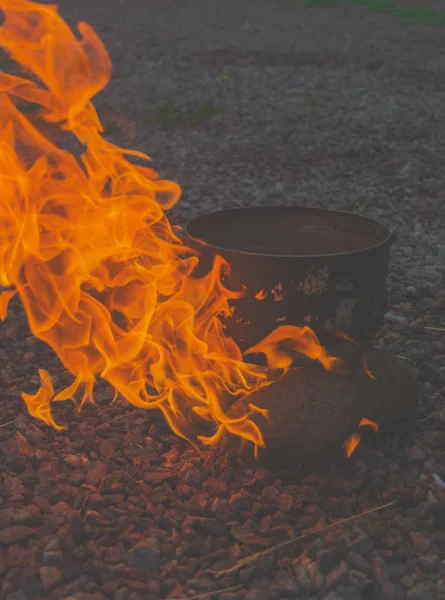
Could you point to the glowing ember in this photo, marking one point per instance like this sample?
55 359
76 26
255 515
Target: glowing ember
103 277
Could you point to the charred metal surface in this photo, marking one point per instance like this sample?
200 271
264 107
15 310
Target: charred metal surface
299 266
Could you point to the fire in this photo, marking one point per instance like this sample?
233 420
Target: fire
353 440
85 243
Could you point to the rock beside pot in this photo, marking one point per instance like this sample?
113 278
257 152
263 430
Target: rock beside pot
312 411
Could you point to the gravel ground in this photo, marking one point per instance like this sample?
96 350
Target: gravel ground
249 103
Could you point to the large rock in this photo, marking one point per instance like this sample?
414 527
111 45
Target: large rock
313 411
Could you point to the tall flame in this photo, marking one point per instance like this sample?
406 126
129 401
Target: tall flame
103 277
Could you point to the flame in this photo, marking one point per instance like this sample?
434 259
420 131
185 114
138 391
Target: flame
351 443
284 340
369 373
84 241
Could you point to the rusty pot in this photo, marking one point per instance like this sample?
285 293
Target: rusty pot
298 266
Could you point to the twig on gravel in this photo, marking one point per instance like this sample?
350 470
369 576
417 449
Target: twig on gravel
252 558
85 500
13 474
117 419
9 422
236 588
435 328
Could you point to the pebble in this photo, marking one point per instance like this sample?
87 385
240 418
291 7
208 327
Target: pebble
357 579
286 583
255 594
429 563
53 559
95 473
285 502
358 561
15 534
421 591
145 556
327 560
338 575
51 577
380 570
415 455
420 540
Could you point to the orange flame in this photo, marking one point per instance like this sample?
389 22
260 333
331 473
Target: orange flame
103 277
286 339
351 443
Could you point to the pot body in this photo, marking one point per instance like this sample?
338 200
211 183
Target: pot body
298 266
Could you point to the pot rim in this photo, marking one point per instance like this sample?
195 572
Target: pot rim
390 238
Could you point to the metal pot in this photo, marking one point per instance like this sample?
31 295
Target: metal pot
298 266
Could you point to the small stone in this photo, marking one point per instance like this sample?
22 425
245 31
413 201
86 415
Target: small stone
338 575
359 562
240 500
348 592
393 539
122 594
53 559
51 577
420 541
271 494
301 570
76 461
15 535
63 511
429 563
419 230
27 515
397 571
16 556
327 560
420 591
52 544
145 556
216 487
407 582
357 579
285 502
199 503
415 455
255 594
286 582
380 570
390 591
31 342
95 473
